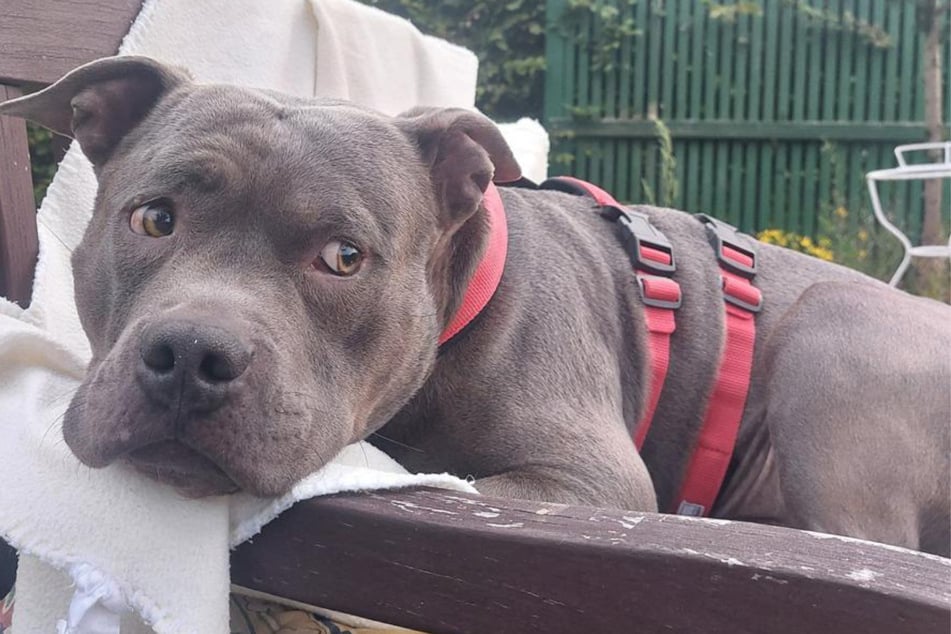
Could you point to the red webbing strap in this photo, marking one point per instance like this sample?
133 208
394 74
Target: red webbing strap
711 457
660 294
660 326
600 196
488 273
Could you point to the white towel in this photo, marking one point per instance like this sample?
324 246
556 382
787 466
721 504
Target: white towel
110 532
530 144
371 57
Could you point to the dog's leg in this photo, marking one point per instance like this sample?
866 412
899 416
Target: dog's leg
612 475
859 416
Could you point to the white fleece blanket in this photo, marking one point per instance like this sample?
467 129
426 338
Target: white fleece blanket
122 541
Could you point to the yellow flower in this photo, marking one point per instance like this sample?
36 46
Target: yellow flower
841 212
804 244
863 235
821 253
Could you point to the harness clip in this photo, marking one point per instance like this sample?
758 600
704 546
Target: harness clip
741 294
642 241
659 291
728 244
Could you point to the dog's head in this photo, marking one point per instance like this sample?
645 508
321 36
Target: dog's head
264 277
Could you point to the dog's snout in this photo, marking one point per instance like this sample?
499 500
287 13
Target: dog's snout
187 359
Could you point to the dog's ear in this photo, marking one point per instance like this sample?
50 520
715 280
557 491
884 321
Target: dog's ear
465 151
99 103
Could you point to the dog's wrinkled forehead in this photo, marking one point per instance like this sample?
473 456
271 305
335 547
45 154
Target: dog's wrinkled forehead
221 138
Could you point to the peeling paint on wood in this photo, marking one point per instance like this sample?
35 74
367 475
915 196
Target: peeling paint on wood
576 569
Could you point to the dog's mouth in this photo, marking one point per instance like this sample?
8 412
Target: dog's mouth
189 472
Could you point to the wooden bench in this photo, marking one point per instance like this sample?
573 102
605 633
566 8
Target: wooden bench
448 562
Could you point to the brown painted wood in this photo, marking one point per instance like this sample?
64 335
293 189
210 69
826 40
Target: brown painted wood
18 238
447 562
40 40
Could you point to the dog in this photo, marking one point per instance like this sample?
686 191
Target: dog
265 279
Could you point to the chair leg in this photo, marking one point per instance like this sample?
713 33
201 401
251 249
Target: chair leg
896 277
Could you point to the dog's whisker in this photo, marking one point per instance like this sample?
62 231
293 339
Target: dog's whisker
396 442
49 428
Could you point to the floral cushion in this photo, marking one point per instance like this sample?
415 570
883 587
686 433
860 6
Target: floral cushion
6 612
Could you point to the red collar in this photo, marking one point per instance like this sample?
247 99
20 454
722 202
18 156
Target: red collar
486 279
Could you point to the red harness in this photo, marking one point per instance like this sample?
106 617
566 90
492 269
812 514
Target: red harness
652 257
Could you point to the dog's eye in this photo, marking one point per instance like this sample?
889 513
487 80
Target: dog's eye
152 219
341 257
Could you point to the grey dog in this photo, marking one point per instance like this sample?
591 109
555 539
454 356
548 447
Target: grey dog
264 280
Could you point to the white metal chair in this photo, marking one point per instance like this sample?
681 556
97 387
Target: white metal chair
906 171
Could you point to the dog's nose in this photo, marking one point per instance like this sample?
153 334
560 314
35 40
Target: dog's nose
191 362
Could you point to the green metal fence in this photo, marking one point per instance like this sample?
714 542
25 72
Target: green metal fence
773 116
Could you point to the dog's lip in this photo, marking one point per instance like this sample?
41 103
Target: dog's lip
190 472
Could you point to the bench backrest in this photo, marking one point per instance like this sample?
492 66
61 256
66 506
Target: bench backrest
41 40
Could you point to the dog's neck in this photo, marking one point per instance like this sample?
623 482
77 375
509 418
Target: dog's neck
485 280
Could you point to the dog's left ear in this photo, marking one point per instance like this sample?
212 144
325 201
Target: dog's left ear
465 151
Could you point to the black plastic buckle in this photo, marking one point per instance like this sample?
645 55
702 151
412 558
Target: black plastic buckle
637 231
721 234
653 301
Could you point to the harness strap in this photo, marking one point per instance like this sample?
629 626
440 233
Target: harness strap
711 457
653 260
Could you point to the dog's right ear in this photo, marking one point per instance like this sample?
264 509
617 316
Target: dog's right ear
99 103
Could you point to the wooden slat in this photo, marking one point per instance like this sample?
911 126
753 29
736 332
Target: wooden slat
875 58
18 237
754 151
623 175
909 61
697 37
894 132
779 213
847 48
770 175
447 562
794 109
634 50
713 176
742 153
860 75
658 102
668 21
682 33
642 96
893 27
596 99
41 40
558 57
812 40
